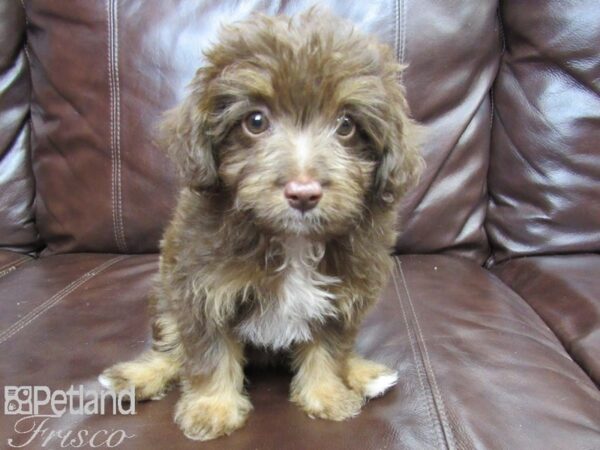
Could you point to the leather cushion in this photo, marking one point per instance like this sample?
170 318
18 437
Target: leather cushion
563 290
545 161
17 187
104 71
478 368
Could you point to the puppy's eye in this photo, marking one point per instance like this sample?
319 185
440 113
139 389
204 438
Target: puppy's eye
256 122
345 126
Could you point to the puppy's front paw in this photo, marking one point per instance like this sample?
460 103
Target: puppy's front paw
330 400
369 378
151 376
126 375
203 417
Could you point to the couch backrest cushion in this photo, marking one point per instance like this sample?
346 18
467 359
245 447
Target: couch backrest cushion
17 227
544 178
453 52
103 71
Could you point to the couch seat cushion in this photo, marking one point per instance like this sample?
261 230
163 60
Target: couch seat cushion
478 368
565 292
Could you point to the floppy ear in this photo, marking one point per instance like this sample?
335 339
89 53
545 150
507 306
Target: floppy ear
185 136
401 162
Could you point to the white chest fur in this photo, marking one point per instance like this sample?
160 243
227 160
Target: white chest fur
302 300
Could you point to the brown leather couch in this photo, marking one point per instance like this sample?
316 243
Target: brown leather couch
492 316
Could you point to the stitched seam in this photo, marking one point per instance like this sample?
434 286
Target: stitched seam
428 399
11 267
402 37
7 271
115 127
14 263
118 111
56 298
111 119
438 400
397 28
403 32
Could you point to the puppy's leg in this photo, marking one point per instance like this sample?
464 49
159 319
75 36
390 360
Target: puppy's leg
154 371
214 403
318 387
368 378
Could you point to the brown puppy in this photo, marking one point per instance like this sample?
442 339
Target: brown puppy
294 147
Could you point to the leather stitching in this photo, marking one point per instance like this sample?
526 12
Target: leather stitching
403 32
111 102
400 44
115 124
400 35
437 397
56 298
6 271
397 28
420 375
118 111
14 263
12 266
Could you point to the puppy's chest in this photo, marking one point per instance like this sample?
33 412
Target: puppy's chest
302 301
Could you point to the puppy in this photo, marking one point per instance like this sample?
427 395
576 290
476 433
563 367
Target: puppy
294 146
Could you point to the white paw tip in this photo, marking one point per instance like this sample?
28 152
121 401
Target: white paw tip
105 381
379 385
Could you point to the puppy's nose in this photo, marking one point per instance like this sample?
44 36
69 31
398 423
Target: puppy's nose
303 194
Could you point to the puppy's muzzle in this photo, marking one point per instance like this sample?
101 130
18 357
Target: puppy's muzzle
303 194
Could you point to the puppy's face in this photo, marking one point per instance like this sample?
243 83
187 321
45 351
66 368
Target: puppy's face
297 175
302 123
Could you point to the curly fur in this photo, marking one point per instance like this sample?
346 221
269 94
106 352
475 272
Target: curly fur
238 266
